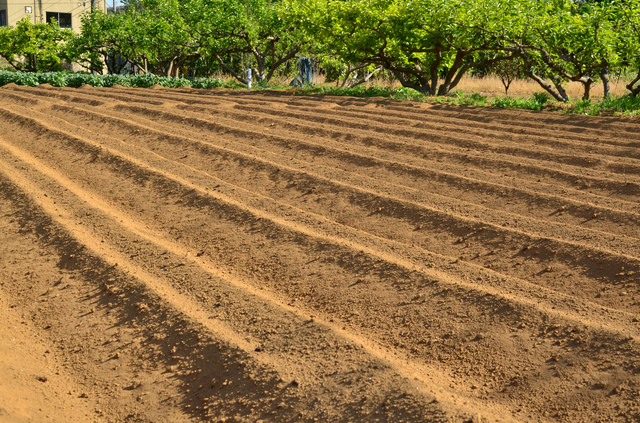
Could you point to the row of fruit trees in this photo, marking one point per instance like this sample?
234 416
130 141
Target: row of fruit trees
426 45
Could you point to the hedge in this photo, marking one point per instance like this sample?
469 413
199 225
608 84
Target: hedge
65 79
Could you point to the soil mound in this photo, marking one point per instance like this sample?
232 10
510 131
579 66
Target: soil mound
247 256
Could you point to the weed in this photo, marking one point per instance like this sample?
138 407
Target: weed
623 105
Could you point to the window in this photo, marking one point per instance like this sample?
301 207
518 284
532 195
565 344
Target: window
64 19
3 18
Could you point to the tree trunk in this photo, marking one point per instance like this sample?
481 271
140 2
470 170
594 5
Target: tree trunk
230 70
170 69
434 70
604 75
350 70
108 61
558 84
558 95
631 86
506 82
424 87
262 72
587 88
367 76
445 86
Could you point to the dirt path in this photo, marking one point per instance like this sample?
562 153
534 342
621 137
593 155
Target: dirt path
211 255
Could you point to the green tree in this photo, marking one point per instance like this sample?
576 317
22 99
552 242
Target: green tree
508 71
629 46
154 37
150 35
167 34
351 74
252 30
34 47
429 45
96 46
563 40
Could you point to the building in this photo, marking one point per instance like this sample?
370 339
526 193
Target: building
66 12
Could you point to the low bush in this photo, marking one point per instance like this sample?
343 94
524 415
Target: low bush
19 78
625 105
65 79
401 93
535 103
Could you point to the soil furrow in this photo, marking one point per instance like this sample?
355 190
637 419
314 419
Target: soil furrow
548 260
510 178
443 137
117 164
518 124
280 360
306 263
569 126
607 128
421 178
439 134
407 167
486 141
467 335
486 120
472 240
624 186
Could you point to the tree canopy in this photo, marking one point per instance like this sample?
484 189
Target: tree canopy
427 45
34 47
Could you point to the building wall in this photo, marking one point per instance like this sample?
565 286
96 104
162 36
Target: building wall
4 11
16 9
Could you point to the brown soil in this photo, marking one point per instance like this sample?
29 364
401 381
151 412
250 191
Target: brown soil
192 255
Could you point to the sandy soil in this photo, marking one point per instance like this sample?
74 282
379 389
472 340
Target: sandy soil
191 255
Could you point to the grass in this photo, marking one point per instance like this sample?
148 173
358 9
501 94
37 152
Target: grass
400 93
614 105
489 92
458 98
476 92
624 105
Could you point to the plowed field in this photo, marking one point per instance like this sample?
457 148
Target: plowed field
188 255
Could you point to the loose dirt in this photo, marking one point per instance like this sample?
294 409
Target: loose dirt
192 255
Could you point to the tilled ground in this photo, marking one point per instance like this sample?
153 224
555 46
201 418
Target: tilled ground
187 255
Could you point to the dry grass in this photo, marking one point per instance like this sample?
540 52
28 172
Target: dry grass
491 87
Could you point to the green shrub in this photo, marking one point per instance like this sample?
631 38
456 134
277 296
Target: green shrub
625 105
206 83
517 103
64 79
535 103
57 79
111 80
541 98
80 79
147 80
19 78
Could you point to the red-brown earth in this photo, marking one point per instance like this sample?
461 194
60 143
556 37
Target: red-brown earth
193 255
